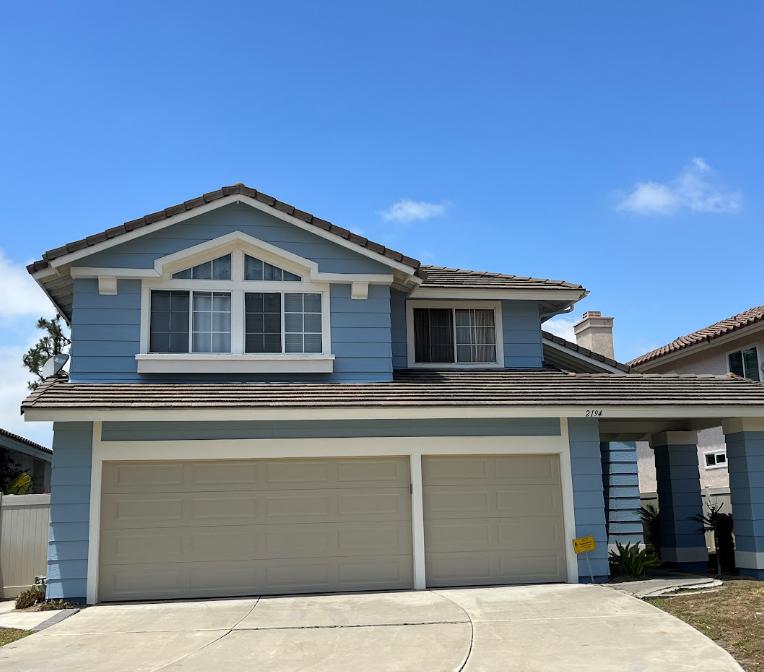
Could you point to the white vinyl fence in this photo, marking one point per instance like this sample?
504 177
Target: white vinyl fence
23 541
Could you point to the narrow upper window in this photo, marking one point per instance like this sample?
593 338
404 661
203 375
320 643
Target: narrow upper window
256 269
745 363
715 459
455 335
217 269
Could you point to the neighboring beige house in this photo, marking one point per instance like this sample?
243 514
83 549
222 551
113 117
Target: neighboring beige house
734 346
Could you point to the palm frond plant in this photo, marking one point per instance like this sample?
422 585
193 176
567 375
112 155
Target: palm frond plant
631 560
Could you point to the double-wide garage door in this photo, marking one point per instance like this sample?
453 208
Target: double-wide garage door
248 527
194 529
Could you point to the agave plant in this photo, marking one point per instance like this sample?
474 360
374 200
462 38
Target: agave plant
631 560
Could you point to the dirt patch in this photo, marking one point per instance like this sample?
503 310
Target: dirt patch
8 635
733 616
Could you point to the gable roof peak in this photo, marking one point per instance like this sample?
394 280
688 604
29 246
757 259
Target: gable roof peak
236 189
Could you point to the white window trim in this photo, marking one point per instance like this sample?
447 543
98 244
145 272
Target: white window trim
479 305
743 348
715 453
237 361
415 447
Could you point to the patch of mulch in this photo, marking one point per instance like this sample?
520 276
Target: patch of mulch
733 616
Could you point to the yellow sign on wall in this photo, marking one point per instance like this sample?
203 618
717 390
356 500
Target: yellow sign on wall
584 544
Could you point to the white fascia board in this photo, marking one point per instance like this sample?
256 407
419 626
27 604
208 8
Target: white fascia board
517 294
214 205
578 355
391 413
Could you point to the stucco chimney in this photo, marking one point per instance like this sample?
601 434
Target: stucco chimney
595 333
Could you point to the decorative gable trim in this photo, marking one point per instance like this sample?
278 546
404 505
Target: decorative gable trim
57 261
165 266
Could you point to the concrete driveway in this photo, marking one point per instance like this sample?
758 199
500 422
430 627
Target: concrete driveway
528 628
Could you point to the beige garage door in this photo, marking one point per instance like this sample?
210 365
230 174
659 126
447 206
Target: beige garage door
195 529
493 520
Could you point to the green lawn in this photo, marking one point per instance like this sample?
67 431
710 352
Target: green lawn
8 635
733 616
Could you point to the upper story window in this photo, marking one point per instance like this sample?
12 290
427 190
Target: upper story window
243 307
716 459
745 363
454 334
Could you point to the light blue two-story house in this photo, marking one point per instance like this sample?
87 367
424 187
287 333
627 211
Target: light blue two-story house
262 402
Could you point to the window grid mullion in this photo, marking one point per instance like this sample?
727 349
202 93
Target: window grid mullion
283 322
190 320
453 326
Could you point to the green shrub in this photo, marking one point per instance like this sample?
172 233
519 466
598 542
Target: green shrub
30 596
53 605
632 561
651 526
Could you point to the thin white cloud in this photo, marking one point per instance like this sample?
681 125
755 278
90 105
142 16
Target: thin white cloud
562 326
21 295
695 189
407 210
13 390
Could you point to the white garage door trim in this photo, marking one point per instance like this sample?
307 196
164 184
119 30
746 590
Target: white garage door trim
413 447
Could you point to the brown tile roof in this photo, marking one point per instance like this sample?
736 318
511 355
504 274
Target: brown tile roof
411 388
440 276
232 190
585 351
21 439
721 328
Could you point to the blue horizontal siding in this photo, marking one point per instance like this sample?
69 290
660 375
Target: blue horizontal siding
745 459
173 431
143 251
589 502
398 329
521 324
106 337
69 510
621 482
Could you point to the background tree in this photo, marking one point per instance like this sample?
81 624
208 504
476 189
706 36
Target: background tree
53 342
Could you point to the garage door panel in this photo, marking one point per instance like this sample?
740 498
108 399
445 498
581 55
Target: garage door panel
490 470
477 568
228 475
128 511
140 477
506 528
265 540
373 471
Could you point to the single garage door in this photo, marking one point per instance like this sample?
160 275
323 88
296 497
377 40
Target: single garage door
493 520
196 529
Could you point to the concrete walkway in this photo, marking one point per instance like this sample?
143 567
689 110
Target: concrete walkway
528 628
666 585
29 620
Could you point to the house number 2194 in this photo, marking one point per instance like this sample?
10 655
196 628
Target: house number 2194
594 413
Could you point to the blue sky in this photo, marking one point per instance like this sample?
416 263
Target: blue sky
617 145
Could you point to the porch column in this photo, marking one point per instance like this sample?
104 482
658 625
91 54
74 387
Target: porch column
745 460
621 482
683 542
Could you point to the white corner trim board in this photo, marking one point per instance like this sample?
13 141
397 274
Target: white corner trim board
414 447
